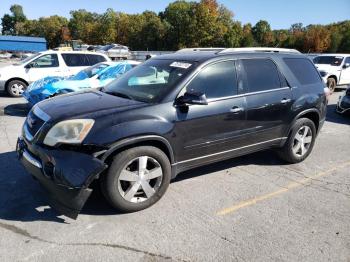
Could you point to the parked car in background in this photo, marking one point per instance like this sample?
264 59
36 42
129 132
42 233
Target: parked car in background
95 76
115 51
343 105
170 114
15 78
334 69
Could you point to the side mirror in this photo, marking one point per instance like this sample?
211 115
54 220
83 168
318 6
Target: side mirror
346 65
27 66
192 99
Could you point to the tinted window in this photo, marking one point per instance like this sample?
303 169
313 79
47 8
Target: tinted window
215 81
95 59
303 70
329 60
257 75
45 61
75 59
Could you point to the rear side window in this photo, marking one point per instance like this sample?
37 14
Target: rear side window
256 75
215 81
75 60
95 59
303 70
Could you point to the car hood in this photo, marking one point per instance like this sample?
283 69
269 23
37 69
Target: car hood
327 68
86 104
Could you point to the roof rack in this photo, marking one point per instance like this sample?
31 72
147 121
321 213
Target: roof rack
201 49
259 49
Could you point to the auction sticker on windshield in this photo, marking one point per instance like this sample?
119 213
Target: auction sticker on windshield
180 65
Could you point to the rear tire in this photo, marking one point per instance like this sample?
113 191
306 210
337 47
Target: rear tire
300 141
137 178
15 88
331 84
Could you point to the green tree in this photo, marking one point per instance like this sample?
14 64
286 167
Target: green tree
247 36
9 22
262 33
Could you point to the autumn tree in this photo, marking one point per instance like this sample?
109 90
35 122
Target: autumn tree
317 39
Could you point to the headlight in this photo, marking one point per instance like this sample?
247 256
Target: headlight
323 73
69 132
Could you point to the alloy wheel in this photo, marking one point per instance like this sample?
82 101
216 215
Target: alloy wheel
302 141
17 89
140 179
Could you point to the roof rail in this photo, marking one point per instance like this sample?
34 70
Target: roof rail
259 49
201 49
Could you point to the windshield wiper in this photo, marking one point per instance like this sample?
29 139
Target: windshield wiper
116 93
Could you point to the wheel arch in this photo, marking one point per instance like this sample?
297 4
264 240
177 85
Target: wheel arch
335 78
149 140
312 114
15 78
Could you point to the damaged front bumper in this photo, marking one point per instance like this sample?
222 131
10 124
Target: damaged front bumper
66 175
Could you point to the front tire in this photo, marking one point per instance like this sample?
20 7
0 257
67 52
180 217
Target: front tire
300 141
137 178
15 88
331 84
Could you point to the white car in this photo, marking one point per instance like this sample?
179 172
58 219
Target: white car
15 78
115 51
334 69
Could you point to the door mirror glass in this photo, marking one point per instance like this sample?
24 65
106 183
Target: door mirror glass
196 98
346 65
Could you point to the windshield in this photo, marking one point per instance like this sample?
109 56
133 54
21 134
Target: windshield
114 71
329 60
89 72
151 81
25 60
107 47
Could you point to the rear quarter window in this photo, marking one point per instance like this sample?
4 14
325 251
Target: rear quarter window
75 60
95 59
303 70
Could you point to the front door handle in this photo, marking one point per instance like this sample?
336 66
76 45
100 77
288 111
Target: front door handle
285 101
236 109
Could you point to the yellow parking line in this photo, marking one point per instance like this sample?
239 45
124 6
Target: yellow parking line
285 189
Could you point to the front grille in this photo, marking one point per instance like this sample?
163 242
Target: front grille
33 123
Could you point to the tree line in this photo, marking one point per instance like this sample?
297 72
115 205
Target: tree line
182 24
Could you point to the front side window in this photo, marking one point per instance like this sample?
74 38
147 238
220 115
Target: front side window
150 81
256 75
45 61
73 60
215 81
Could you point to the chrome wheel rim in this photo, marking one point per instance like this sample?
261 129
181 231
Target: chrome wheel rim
302 141
17 89
140 179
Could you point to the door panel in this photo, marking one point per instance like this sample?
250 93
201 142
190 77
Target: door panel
268 114
212 128
269 99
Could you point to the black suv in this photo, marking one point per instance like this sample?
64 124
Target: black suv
170 114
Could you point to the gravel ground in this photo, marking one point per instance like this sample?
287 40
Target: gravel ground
252 208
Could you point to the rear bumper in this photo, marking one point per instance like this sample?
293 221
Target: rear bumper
65 175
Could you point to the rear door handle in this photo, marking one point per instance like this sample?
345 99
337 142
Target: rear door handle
285 101
236 109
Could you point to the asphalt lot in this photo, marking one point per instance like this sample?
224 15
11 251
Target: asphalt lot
253 208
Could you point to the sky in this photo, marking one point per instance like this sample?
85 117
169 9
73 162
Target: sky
279 13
